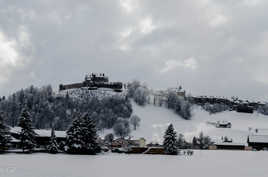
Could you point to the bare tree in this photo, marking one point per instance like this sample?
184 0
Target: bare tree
135 121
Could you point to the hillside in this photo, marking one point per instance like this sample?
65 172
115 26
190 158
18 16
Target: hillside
154 121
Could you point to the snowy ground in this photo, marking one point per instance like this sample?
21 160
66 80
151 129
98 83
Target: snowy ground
154 121
202 163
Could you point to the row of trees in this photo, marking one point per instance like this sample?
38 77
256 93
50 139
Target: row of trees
172 143
215 108
180 105
138 92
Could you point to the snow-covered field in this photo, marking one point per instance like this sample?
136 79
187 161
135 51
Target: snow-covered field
202 163
154 121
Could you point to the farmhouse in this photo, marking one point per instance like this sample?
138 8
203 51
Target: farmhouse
42 138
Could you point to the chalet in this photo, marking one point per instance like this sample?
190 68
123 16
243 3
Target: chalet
223 124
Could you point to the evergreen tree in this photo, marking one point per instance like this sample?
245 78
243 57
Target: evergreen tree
170 141
4 134
74 137
194 142
53 146
27 134
82 136
90 137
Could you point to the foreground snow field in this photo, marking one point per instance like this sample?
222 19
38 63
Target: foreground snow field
202 163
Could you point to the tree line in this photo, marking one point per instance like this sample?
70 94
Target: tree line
47 108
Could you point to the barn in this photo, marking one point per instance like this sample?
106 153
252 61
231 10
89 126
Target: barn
228 146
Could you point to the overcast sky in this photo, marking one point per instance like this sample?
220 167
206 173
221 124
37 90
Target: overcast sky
210 47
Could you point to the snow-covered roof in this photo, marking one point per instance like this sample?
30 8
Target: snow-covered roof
258 138
223 122
43 132
230 144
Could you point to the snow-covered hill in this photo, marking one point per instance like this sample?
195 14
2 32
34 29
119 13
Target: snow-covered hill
154 121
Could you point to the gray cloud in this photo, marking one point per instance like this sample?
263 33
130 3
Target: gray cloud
209 47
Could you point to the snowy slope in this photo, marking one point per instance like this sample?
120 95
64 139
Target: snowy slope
154 121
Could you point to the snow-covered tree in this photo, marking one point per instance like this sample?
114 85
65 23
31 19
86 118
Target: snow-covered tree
74 140
90 137
180 105
170 141
122 128
4 133
204 141
109 138
141 95
171 100
53 146
135 121
82 136
181 143
27 134
138 92
132 87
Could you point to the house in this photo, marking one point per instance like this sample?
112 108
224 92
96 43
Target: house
223 124
42 138
118 143
121 142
